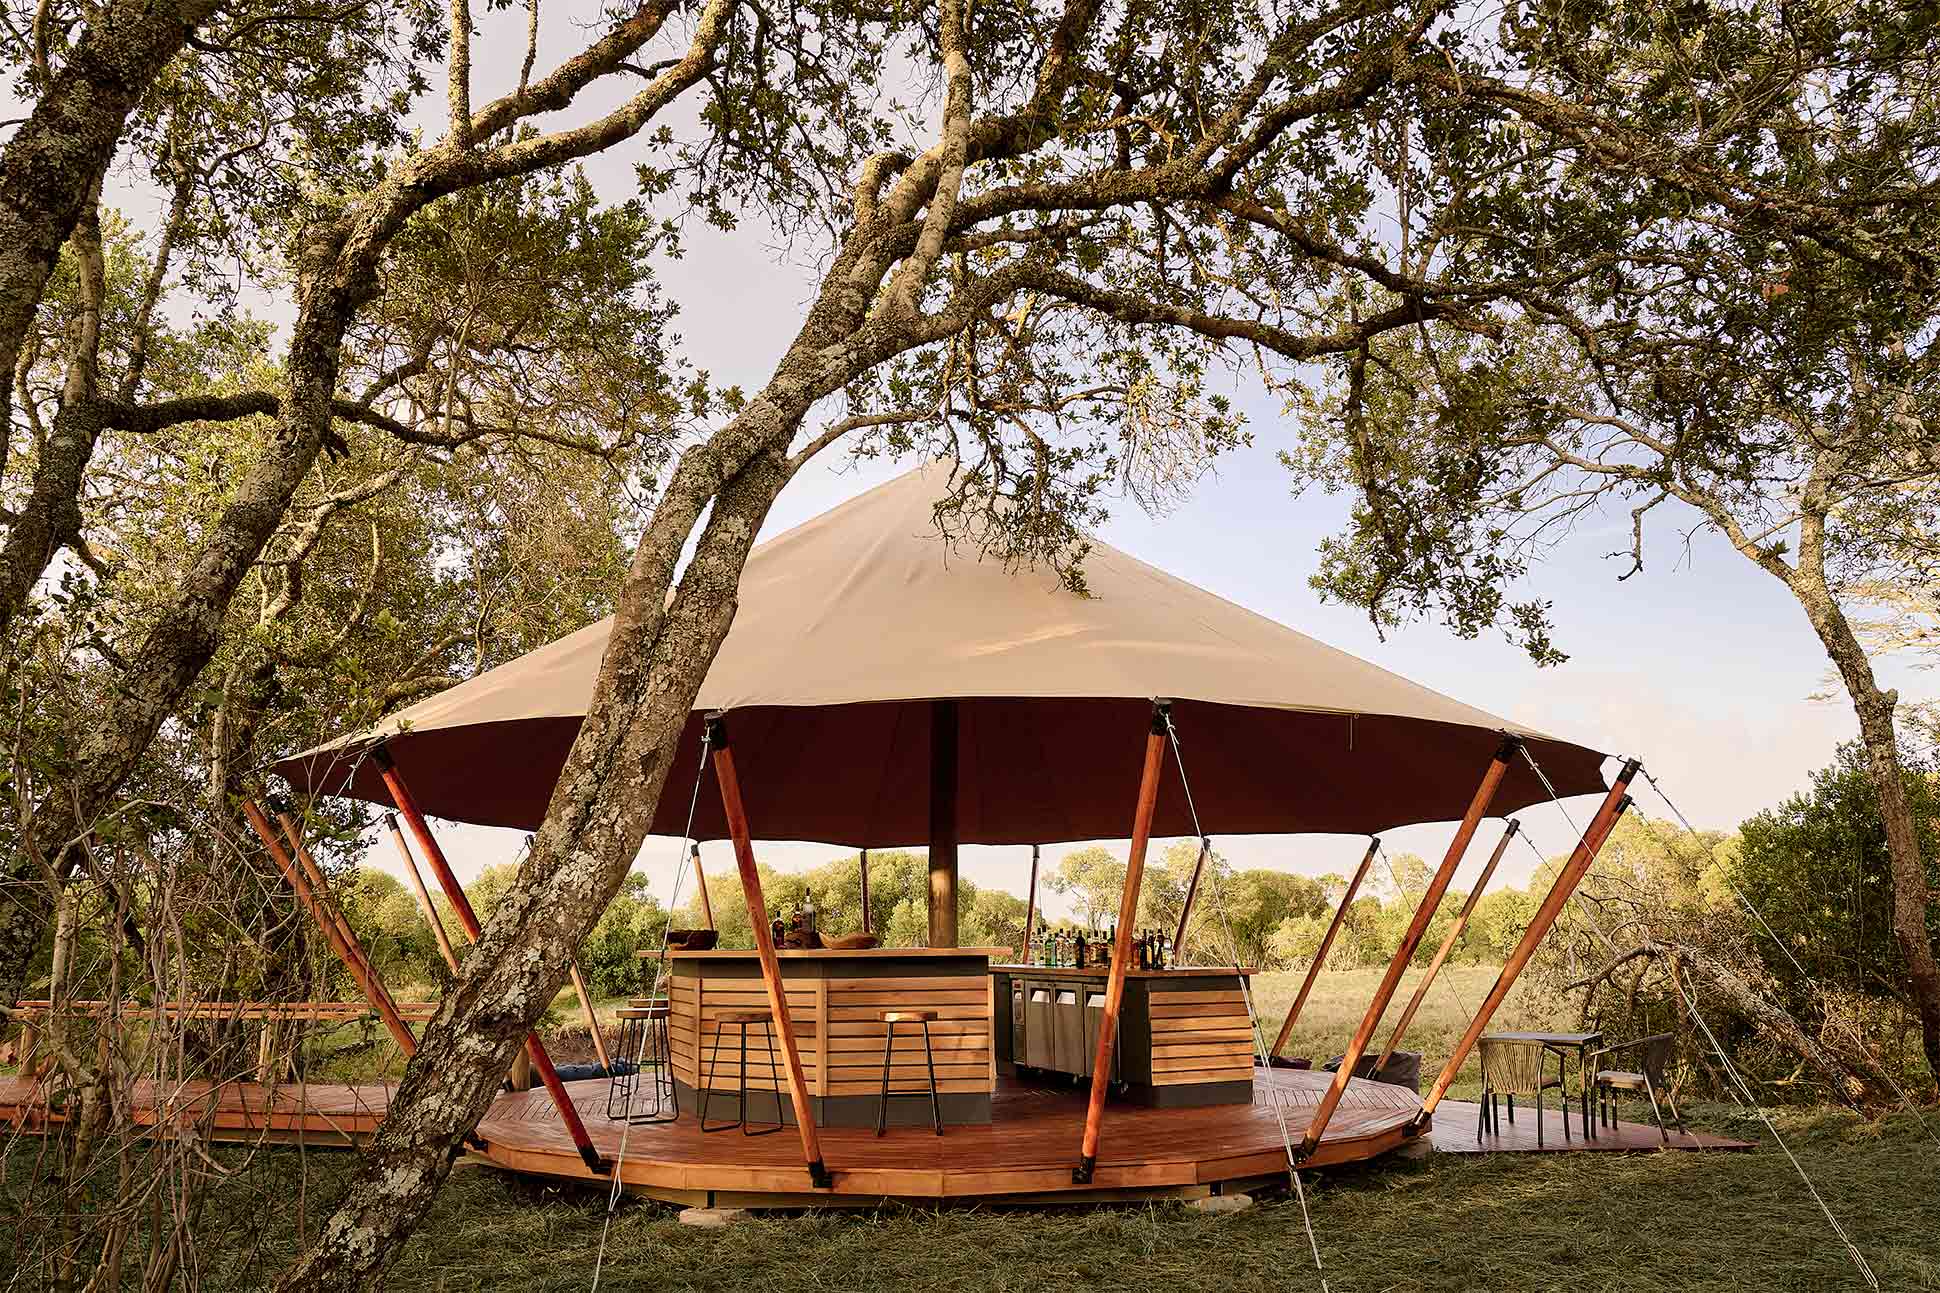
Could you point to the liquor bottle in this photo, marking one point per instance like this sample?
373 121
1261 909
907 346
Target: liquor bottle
808 911
1081 950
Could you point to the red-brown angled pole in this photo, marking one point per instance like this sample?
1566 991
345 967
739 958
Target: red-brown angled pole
1567 879
424 897
461 907
700 879
327 903
373 991
1448 945
1121 952
1478 807
736 813
1326 945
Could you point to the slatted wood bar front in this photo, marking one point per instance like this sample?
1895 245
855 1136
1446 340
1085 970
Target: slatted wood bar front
1184 1035
835 1005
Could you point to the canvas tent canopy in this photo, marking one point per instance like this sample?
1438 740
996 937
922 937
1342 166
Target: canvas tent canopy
861 636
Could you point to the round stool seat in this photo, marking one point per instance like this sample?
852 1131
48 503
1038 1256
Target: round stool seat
745 1016
908 1016
646 1001
642 1012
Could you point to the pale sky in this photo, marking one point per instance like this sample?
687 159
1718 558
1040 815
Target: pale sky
1700 665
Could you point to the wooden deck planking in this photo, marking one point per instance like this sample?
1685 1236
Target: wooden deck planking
1025 1153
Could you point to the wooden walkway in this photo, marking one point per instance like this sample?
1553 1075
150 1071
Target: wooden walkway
1023 1156
1454 1133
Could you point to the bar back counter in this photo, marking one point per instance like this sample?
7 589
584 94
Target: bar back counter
1184 1037
835 1002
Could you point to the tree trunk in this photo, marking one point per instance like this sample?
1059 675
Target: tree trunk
57 157
1878 735
600 809
181 639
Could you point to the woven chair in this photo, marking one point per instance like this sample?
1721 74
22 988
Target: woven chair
1654 1054
1511 1068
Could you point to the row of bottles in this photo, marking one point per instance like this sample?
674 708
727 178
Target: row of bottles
1151 950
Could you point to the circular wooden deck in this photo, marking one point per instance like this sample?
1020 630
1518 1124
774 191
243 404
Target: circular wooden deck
1024 1155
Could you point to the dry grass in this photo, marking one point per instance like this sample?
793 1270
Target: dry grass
1648 1223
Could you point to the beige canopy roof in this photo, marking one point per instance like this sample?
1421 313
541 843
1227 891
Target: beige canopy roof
854 627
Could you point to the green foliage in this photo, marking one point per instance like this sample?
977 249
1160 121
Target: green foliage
1817 869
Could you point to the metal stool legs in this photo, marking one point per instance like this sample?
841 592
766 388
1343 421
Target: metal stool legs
890 1019
774 1076
641 1087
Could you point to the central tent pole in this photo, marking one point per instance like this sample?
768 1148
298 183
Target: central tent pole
764 945
1398 966
1567 879
943 823
1192 888
1030 906
461 907
1448 945
862 873
1121 953
1326 944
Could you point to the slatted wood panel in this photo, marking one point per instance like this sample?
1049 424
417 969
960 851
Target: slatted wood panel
1203 1035
959 1035
695 1007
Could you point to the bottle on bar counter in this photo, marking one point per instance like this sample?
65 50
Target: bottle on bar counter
1081 962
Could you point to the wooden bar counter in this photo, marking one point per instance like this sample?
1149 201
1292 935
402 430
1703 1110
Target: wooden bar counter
1184 1038
835 1003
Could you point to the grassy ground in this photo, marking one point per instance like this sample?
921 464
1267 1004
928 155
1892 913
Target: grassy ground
1679 1222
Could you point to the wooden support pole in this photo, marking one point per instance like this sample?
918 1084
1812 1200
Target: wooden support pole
327 902
373 992
943 823
1326 945
1397 966
592 1017
700 880
764 944
1030 905
1192 891
424 897
461 907
1121 955
1448 945
862 873
1567 879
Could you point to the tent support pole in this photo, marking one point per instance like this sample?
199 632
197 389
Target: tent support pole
1326 945
764 944
461 907
1417 928
944 729
592 1016
1030 905
424 897
862 873
1192 891
700 880
348 953
1448 945
1121 956
1567 879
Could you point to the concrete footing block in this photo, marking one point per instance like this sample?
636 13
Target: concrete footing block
1221 1203
712 1218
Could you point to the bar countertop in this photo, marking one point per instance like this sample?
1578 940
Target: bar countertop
1100 972
836 953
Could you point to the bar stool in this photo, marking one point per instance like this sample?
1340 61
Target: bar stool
742 1019
890 1018
641 1086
